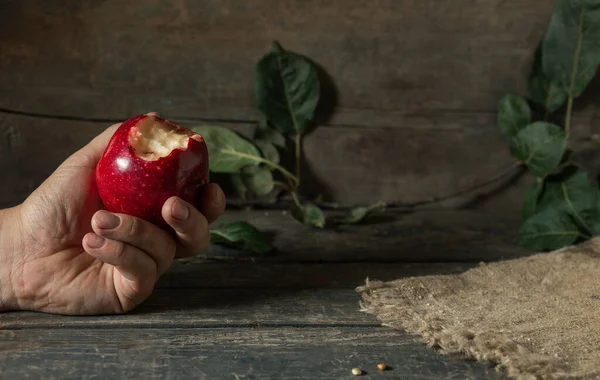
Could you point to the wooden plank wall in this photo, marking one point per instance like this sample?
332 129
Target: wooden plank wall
414 83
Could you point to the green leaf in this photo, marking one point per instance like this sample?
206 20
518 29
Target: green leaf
287 90
541 90
268 150
530 202
265 132
571 47
258 180
595 221
267 139
581 196
241 235
238 185
309 214
228 152
540 146
560 210
575 194
358 214
513 114
549 230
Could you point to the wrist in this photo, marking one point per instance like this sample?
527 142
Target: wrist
9 223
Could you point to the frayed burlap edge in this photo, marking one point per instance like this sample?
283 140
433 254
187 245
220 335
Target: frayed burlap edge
484 346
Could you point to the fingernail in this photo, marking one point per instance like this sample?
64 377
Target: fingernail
95 241
180 211
107 221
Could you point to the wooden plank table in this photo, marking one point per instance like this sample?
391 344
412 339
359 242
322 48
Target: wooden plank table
294 314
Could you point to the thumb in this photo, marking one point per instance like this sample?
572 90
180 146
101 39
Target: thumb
90 154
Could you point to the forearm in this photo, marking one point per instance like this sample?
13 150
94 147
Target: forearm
8 224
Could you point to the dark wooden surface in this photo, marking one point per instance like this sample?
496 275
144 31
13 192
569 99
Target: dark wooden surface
111 59
410 88
234 353
294 314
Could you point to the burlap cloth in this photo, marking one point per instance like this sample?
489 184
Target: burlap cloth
536 317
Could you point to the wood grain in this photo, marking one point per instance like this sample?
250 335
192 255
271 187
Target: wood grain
262 353
198 274
217 308
388 58
347 164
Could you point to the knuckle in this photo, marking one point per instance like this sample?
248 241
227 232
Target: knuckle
135 227
119 250
171 248
199 245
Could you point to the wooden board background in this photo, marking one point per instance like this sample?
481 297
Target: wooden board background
410 87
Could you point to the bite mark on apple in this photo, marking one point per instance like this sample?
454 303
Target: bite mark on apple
152 139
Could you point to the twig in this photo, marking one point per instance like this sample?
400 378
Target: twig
466 196
455 200
296 199
574 75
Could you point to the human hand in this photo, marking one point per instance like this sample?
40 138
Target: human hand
67 255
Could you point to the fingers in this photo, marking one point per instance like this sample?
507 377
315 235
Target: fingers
213 202
191 227
135 272
134 264
190 224
138 233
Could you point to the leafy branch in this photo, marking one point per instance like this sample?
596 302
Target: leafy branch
287 92
562 207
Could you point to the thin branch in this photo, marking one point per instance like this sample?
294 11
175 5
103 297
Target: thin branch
454 200
270 163
574 74
465 196
296 199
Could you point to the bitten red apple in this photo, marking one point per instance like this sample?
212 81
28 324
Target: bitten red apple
148 160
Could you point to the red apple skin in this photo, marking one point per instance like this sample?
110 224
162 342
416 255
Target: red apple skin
131 185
